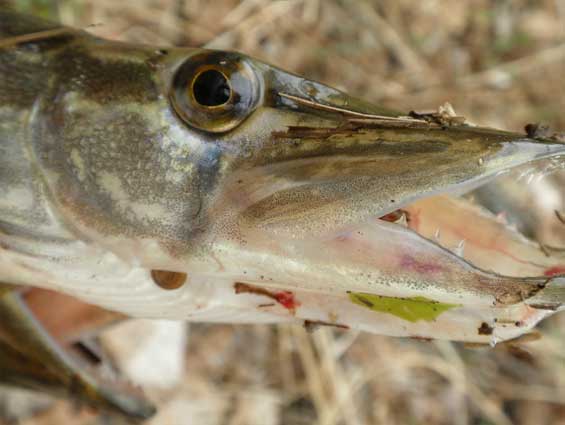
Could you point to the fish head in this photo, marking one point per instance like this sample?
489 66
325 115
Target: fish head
227 169
290 155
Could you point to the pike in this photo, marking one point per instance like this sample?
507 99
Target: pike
201 185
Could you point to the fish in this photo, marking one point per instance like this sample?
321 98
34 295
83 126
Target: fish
204 185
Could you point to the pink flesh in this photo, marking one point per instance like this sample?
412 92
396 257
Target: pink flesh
490 244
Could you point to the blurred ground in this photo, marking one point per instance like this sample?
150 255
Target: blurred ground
499 63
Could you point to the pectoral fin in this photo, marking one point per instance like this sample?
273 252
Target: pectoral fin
31 358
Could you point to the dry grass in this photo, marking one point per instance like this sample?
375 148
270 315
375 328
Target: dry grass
499 63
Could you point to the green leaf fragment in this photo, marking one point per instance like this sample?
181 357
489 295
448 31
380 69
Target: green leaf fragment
411 309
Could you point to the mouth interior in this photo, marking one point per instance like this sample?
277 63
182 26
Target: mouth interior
510 225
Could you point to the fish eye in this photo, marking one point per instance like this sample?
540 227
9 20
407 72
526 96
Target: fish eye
215 91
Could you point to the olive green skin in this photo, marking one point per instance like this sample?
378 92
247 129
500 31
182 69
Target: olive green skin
82 107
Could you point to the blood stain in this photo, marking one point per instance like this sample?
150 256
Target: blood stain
410 263
284 298
553 271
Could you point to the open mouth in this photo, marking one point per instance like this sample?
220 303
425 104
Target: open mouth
397 236
396 211
511 238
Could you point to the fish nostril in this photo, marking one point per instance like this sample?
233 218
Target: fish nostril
211 88
168 280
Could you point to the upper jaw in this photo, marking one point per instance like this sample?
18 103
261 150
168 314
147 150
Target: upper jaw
324 160
321 179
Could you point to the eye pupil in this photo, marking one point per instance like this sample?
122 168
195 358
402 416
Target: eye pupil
211 88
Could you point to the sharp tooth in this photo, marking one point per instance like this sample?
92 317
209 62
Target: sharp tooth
437 235
460 248
501 217
402 220
526 174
